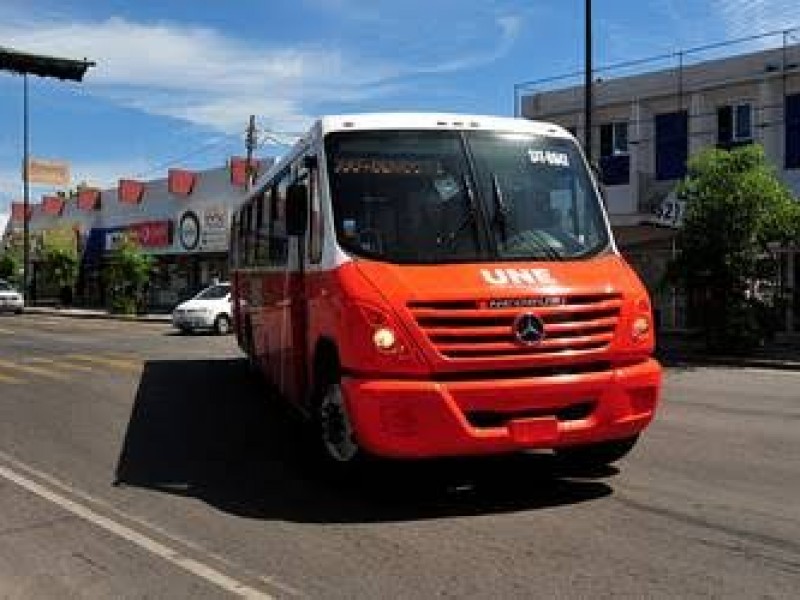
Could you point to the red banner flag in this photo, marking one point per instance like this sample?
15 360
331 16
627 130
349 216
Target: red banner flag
181 182
89 199
130 191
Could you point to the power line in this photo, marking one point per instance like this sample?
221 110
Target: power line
227 139
790 32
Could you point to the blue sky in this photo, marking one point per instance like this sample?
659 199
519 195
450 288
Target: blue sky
175 81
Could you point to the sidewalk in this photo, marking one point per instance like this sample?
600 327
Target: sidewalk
679 350
87 313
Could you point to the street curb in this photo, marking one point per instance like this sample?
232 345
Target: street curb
689 360
68 313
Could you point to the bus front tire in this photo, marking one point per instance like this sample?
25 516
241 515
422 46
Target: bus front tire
592 456
333 427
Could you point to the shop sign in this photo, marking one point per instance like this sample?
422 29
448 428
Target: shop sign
150 234
189 231
62 238
114 238
205 230
48 172
214 234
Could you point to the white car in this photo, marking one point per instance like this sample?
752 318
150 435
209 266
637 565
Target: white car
10 299
210 309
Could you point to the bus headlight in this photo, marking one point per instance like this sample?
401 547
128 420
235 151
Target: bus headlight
384 339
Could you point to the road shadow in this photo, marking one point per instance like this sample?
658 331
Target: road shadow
209 430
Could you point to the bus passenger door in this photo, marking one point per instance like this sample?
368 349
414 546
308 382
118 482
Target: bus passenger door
296 359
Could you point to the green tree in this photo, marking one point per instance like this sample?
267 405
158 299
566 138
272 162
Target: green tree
128 271
60 268
9 266
737 209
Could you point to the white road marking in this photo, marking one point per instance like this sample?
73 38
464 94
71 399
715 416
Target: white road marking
117 363
58 364
156 548
11 366
9 379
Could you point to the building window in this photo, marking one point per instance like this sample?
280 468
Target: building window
672 145
615 164
614 139
734 125
793 131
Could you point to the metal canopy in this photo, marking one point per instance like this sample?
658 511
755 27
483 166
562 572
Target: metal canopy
24 63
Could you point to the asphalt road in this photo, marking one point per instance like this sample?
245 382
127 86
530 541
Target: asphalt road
137 463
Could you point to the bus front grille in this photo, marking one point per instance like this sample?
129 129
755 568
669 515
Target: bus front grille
474 329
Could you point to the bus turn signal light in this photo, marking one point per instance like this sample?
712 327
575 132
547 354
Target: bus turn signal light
640 328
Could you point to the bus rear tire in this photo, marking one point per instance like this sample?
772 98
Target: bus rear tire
593 456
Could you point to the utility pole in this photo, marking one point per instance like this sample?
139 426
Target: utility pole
24 64
587 85
250 145
26 196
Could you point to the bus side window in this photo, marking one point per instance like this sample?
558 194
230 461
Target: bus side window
250 236
309 176
260 230
245 238
278 251
233 237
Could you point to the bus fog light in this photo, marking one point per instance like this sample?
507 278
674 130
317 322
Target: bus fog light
384 339
640 328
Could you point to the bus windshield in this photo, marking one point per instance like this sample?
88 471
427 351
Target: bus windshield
447 196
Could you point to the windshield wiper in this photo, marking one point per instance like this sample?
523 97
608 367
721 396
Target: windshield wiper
501 217
501 210
470 218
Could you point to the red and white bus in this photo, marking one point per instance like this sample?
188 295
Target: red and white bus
424 285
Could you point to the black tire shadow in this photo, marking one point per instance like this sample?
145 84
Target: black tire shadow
210 430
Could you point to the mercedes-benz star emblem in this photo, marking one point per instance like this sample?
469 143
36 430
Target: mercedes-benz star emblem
528 329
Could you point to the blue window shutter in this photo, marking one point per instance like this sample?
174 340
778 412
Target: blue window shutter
672 145
793 131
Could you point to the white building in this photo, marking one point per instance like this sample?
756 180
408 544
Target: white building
645 127
182 220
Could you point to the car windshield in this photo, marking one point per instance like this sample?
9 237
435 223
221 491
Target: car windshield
5 287
215 292
445 196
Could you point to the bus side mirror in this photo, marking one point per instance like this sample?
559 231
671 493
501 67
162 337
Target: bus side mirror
296 209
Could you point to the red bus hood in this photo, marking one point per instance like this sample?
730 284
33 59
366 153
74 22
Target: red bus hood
487 281
465 316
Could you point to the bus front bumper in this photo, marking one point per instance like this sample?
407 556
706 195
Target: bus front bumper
418 419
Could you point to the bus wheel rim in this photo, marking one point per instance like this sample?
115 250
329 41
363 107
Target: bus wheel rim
337 431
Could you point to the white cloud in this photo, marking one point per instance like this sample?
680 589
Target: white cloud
750 17
199 75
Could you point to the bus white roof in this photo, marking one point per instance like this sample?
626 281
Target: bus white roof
416 121
373 121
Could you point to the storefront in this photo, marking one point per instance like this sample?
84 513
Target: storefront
181 221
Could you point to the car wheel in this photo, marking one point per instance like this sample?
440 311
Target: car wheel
222 325
596 455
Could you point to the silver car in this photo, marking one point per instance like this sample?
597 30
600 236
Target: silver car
10 299
210 309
